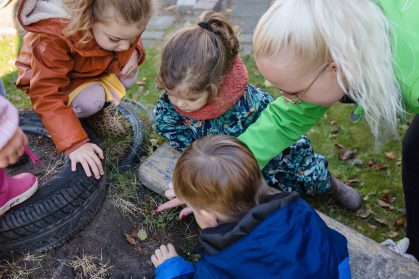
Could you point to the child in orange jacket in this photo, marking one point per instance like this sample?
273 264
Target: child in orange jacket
76 56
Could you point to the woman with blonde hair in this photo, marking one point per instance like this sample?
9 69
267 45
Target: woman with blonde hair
318 52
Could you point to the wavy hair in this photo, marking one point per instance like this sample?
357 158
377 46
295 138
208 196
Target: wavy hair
356 35
84 13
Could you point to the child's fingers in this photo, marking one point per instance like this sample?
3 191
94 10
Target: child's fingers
170 194
86 168
93 167
98 151
170 204
98 164
159 255
73 165
155 261
164 251
172 250
185 212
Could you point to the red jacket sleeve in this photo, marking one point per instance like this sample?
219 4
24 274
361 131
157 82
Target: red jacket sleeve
51 63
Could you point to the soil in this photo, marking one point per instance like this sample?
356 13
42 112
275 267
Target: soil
44 149
105 239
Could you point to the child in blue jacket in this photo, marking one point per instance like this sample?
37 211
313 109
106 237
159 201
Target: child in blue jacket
249 230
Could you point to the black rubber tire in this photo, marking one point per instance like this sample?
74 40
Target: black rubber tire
134 153
57 211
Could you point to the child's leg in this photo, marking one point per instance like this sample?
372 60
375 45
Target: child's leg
89 101
299 169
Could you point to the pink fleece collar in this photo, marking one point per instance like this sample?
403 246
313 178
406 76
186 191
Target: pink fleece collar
229 93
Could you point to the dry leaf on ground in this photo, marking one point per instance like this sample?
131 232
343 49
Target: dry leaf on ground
130 239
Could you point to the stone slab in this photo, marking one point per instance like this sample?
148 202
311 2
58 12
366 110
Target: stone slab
157 171
208 5
368 258
161 22
153 35
185 5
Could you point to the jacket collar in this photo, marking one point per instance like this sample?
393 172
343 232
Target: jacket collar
216 239
229 93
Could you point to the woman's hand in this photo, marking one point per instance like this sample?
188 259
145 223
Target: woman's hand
89 156
174 202
162 254
130 69
13 149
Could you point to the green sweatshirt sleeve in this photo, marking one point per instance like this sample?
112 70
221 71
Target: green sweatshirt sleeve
280 125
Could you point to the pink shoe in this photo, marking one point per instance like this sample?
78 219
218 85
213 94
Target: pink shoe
16 189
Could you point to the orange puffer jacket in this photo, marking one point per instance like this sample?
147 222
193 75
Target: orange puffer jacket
51 65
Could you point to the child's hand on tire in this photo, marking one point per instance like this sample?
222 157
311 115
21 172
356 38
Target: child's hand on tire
89 155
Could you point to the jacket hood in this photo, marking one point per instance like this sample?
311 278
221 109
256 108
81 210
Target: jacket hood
218 238
33 11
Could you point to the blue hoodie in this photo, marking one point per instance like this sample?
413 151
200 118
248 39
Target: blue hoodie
283 237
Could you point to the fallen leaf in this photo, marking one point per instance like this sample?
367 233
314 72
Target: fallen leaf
392 234
387 198
335 130
142 235
339 146
379 166
363 212
347 154
353 181
383 204
16 98
399 223
141 82
390 155
333 123
381 221
372 227
370 162
130 239
134 232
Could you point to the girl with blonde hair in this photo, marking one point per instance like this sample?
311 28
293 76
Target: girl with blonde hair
318 52
76 56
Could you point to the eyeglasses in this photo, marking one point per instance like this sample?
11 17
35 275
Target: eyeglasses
297 100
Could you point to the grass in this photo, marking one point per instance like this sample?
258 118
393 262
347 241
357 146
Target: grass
376 175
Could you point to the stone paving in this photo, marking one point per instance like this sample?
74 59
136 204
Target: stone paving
244 13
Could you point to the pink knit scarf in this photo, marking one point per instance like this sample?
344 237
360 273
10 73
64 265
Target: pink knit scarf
230 91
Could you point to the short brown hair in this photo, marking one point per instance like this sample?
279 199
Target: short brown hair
219 172
84 13
199 56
